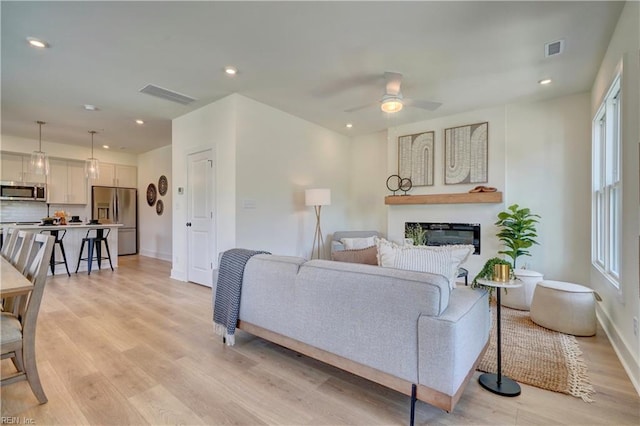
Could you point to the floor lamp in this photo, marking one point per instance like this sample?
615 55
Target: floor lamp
317 198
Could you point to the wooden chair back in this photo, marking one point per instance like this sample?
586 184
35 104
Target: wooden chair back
18 257
36 272
26 309
10 236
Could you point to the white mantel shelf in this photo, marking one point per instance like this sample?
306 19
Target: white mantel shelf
460 198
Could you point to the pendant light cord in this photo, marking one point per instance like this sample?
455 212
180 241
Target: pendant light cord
93 132
40 123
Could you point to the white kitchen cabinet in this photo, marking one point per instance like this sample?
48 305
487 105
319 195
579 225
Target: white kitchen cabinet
67 183
119 175
126 176
106 175
17 167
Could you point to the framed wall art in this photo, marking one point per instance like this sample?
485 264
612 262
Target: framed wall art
415 158
466 154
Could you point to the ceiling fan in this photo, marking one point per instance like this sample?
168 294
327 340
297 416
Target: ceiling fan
392 100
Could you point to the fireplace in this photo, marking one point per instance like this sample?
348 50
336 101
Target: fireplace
441 234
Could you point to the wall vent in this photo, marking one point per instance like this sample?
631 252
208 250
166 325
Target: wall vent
169 95
553 48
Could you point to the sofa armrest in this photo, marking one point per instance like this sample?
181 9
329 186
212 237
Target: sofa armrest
450 345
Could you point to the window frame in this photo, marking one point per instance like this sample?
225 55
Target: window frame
607 183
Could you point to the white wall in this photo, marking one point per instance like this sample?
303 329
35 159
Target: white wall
548 170
210 127
484 214
75 152
278 157
264 160
618 308
367 183
155 236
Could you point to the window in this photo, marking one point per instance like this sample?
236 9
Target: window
607 185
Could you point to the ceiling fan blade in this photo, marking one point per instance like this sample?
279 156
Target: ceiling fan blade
428 105
394 80
358 108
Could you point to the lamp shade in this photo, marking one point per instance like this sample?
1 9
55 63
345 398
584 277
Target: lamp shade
317 197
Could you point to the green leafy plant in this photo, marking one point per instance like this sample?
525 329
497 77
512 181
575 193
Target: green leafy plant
417 234
517 231
486 273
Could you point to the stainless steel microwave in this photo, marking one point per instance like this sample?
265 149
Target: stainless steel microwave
23 191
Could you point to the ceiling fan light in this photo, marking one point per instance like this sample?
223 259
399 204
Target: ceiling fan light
391 105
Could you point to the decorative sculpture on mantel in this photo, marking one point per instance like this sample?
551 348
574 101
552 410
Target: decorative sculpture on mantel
396 183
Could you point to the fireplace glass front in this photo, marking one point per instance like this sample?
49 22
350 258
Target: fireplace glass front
441 234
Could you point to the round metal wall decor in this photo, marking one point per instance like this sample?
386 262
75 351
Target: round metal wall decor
163 185
159 207
151 194
394 183
406 185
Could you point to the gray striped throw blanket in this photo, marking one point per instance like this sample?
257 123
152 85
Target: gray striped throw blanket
227 297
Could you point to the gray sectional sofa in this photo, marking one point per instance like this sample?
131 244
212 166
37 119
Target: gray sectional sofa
403 329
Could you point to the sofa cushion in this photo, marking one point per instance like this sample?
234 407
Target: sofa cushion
358 243
443 260
368 256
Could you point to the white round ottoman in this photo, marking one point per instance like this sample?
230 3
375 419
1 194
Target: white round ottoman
564 307
520 297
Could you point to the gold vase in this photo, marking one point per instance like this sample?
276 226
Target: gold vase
501 273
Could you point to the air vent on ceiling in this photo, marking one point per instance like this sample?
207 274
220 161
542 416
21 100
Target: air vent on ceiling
169 95
553 48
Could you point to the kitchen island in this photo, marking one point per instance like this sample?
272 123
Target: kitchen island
72 242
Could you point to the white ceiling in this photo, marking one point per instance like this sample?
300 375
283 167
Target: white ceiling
313 60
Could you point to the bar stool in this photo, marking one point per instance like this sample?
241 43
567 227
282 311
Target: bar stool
95 242
58 242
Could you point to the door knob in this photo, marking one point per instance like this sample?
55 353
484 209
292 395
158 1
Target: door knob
188 223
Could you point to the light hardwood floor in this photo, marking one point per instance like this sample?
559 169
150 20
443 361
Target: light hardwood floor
135 347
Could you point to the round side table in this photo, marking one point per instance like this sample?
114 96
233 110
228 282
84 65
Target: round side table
497 383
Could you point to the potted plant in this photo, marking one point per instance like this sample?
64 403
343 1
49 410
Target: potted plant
486 272
517 231
417 234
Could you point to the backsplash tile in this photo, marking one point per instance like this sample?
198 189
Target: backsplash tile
34 211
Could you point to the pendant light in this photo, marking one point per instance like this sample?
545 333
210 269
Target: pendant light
91 165
39 160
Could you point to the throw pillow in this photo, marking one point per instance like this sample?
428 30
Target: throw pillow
357 243
368 256
442 260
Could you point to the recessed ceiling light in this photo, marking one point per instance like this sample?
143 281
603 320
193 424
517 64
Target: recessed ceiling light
139 122
349 125
545 81
35 42
90 107
231 70
105 146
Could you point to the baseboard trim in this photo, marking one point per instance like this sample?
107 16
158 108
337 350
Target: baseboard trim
156 255
620 348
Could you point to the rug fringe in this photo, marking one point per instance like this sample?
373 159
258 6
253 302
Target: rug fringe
579 384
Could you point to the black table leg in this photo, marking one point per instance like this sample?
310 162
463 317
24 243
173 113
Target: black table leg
496 383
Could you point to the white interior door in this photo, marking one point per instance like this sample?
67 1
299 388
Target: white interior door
199 224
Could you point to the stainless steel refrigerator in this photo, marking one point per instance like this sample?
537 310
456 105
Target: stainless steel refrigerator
118 205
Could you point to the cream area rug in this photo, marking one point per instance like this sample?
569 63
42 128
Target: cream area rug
537 356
